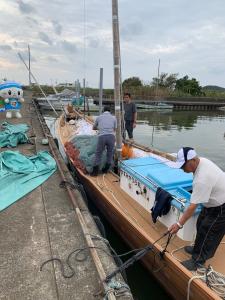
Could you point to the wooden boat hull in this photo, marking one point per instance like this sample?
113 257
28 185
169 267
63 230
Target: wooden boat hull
170 273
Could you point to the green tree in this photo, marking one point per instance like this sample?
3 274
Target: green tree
132 82
190 86
165 81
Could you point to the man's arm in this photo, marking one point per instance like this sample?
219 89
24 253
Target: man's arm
95 125
134 114
187 214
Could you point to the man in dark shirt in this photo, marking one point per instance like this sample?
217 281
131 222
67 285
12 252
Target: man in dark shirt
130 115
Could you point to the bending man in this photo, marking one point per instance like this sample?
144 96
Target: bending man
106 125
208 190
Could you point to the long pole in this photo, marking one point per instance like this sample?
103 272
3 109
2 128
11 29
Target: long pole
116 60
157 85
100 90
29 65
84 87
20 56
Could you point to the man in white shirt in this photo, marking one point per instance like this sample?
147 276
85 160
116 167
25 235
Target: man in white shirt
208 190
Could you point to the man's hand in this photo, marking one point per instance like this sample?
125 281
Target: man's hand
134 124
174 228
187 214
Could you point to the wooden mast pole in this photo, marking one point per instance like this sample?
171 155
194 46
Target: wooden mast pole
116 60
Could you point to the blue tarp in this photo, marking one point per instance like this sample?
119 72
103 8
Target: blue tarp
13 134
20 174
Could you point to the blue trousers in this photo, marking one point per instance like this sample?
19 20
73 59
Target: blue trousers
105 141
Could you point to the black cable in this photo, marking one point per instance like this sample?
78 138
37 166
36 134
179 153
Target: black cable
134 258
78 252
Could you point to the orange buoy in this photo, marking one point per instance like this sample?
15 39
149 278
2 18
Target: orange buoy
127 151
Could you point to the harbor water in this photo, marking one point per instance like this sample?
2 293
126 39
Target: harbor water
168 131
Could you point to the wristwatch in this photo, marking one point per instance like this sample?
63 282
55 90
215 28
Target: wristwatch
179 225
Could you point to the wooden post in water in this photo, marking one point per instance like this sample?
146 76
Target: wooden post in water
100 90
116 60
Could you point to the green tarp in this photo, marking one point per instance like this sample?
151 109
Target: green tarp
13 134
20 174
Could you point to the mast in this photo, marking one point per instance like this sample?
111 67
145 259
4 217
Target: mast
29 65
100 90
116 60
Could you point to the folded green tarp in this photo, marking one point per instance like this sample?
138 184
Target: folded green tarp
13 134
20 174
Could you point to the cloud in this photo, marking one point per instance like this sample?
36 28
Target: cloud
25 8
52 59
131 30
45 38
5 47
93 43
57 27
69 46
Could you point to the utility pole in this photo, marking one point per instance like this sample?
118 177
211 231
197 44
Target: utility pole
100 90
117 71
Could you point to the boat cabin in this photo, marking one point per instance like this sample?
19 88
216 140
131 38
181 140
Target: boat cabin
140 178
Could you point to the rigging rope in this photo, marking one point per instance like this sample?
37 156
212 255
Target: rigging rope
213 279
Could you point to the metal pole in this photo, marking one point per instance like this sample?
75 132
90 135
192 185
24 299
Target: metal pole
116 60
29 65
20 56
100 90
84 97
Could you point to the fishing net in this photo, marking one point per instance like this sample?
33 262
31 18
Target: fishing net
86 145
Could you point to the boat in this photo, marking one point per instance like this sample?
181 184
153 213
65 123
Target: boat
155 106
60 100
126 198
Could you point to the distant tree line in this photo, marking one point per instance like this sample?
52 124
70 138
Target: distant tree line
166 85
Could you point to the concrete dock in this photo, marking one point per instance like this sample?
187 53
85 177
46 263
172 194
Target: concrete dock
46 224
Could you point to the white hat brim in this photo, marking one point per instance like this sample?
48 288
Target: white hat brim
177 164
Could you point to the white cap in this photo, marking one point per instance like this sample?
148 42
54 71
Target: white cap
183 155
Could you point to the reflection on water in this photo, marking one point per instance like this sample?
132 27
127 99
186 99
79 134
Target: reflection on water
168 131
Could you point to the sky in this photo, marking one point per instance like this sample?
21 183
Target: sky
72 39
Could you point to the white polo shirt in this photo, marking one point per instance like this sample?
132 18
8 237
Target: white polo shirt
208 184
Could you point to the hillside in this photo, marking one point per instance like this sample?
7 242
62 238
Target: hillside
213 88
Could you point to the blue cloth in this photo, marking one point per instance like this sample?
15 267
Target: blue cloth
13 134
20 174
161 205
13 104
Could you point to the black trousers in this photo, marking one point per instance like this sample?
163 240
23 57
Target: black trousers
129 128
210 232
